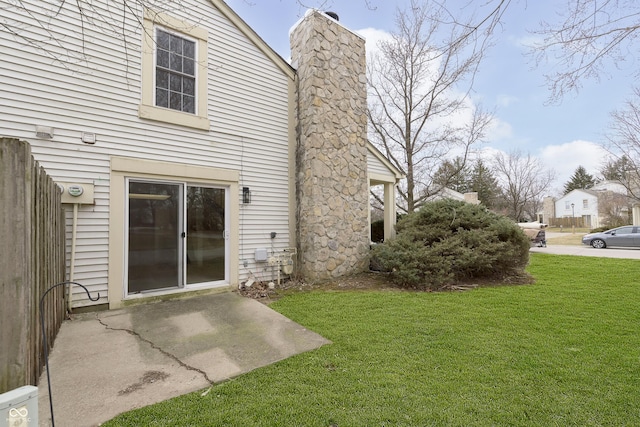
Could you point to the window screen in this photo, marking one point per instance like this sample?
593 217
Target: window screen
175 72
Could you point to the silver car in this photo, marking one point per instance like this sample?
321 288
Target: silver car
628 236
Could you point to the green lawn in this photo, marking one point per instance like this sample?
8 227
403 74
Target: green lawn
562 352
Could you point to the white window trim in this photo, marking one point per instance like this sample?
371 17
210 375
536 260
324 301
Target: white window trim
183 285
123 168
147 108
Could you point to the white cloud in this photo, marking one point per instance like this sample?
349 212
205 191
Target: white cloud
565 159
487 154
499 131
505 100
372 37
527 42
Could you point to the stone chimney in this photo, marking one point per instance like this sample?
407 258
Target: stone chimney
331 179
472 198
548 209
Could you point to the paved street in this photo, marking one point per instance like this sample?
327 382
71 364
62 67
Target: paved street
584 250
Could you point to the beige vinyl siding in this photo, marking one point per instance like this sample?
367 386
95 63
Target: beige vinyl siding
248 111
375 166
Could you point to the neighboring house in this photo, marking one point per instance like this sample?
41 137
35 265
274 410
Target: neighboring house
579 204
201 152
448 193
593 207
612 186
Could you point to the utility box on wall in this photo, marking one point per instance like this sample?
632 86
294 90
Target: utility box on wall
77 193
261 254
19 407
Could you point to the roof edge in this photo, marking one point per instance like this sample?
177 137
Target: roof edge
236 20
374 150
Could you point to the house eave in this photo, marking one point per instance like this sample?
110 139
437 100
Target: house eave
236 20
394 170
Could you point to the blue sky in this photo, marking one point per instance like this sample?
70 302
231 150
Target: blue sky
562 136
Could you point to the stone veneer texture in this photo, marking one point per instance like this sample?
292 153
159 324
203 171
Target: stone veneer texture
332 182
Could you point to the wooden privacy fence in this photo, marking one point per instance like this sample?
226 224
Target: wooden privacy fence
32 259
577 222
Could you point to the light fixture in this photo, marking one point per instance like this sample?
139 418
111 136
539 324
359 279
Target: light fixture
44 132
246 195
88 137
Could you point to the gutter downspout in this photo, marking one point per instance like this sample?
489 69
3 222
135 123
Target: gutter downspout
72 267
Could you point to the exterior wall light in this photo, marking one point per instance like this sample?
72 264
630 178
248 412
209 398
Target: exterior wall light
44 132
246 195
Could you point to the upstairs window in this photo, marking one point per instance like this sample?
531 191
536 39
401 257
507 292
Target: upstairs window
585 203
175 72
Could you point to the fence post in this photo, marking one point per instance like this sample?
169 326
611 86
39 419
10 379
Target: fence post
15 263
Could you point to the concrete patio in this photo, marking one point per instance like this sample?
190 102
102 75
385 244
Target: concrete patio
106 363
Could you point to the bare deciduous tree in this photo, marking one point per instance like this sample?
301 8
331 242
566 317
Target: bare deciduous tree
38 25
415 92
324 4
613 208
624 143
35 29
591 37
523 181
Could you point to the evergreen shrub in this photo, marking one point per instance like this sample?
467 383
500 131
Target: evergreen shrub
447 242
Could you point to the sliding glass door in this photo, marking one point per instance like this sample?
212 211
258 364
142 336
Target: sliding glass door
176 235
206 242
154 236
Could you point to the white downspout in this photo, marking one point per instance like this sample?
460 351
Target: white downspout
72 267
76 195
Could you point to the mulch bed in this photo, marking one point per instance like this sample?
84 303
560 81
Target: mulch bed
267 292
